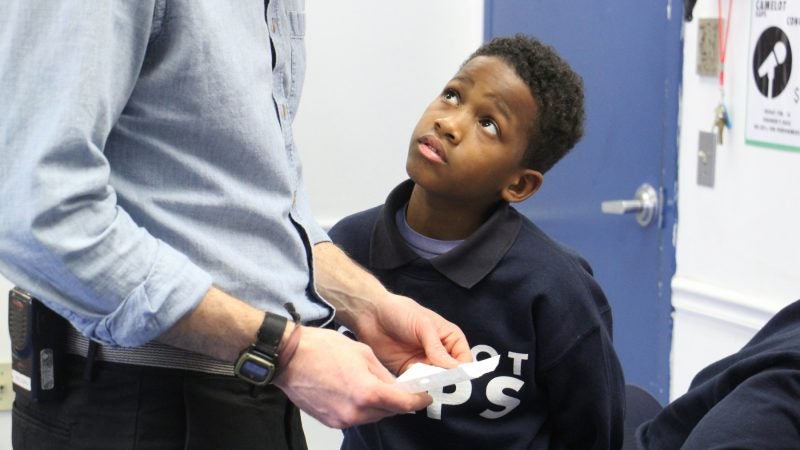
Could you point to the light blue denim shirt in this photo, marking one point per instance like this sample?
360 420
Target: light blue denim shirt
146 152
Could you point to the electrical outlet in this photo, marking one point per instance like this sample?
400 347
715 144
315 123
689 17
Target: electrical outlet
6 387
708 47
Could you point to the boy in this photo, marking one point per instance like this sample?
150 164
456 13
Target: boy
450 239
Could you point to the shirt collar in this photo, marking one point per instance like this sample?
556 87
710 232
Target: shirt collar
466 264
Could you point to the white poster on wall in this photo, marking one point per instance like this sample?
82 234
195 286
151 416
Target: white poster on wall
773 90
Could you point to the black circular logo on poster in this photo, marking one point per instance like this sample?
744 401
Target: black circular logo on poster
772 62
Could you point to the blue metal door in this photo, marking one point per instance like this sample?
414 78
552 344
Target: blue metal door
629 53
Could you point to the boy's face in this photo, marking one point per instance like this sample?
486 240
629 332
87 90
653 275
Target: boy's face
469 142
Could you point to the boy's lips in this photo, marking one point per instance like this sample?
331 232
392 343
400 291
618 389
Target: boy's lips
432 149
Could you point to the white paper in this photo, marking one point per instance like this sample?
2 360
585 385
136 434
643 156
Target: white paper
424 377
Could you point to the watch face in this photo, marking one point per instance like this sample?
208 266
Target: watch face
255 369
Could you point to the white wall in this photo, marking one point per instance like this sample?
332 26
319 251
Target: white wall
372 69
738 243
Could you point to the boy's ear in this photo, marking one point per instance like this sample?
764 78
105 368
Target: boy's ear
526 183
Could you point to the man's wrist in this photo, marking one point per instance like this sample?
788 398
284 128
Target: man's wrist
289 344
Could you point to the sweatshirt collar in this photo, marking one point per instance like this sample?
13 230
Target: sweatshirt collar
465 265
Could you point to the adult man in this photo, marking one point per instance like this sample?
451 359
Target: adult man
150 191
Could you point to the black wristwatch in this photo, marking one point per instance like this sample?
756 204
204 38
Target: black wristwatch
258 363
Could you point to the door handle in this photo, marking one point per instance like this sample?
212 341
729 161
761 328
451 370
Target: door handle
646 204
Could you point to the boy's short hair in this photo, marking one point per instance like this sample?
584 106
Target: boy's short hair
557 91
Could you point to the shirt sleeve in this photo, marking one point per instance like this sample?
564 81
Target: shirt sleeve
67 68
586 393
760 413
579 367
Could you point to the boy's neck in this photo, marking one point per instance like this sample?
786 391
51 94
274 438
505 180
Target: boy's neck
442 218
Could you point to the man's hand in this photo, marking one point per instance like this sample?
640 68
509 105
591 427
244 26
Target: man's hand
398 329
340 382
337 380
401 332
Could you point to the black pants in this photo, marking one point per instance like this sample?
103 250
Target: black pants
132 407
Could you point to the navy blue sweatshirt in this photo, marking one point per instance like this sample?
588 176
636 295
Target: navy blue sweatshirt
749 400
514 292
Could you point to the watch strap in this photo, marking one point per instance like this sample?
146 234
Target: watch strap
270 333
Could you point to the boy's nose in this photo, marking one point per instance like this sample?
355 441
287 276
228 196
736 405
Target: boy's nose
448 127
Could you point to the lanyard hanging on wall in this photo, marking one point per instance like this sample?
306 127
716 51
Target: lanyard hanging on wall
721 118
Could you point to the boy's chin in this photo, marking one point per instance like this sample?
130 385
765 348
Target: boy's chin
423 181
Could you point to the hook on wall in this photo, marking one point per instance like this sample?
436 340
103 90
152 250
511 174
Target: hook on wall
688 7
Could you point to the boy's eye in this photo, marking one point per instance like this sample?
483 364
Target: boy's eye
451 96
490 126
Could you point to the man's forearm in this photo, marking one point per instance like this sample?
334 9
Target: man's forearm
345 284
221 326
